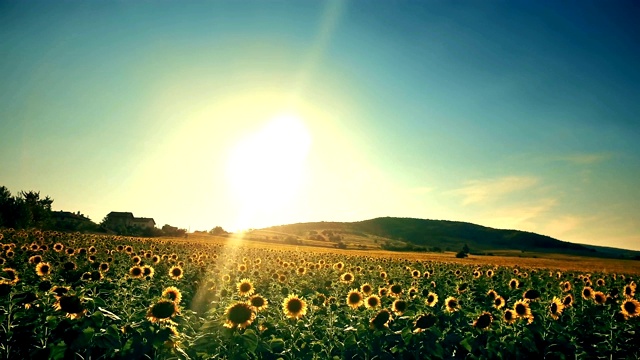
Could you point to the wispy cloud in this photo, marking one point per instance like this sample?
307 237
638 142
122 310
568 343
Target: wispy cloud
584 158
420 190
476 191
525 216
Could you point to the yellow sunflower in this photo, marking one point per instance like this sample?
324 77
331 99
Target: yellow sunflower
354 299
239 315
372 301
555 308
399 307
258 302
163 311
381 320
452 304
245 287
432 299
483 321
173 294
176 272
294 307
43 269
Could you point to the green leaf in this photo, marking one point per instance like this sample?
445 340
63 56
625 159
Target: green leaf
350 341
250 340
466 343
276 345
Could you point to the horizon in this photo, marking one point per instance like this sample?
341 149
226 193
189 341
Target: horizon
246 115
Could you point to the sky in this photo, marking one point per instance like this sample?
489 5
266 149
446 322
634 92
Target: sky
246 114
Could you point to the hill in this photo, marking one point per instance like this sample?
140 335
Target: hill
410 233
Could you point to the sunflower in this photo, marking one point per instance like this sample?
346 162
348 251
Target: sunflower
395 290
492 294
509 316
415 274
381 320
483 321
245 287
11 275
136 259
629 291
347 278
354 299
239 315
383 275
35 259
366 289
148 271
599 297
399 306
104 267
452 304
462 288
383 291
531 295
514 283
338 266
600 282
173 294
423 322
135 272
43 269
556 308
372 301
58 247
630 308
567 301
71 304
176 273
59 290
522 309
489 273
566 286
432 299
294 307
498 302
258 302
162 311
587 293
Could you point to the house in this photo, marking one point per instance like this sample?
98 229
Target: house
126 219
143 222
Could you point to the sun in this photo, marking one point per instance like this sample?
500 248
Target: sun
266 168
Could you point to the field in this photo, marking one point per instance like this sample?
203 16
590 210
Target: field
75 296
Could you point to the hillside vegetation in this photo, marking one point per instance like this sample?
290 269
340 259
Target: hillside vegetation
422 234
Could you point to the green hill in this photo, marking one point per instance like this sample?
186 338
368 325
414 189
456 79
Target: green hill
442 234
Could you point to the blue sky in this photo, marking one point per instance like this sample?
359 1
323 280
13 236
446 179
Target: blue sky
245 114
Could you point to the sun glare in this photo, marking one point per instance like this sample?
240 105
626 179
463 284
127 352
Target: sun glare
266 168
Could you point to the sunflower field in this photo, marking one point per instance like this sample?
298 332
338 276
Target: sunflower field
77 296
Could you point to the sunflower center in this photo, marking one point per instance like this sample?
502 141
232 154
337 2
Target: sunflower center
630 307
71 304
426 321
163 309
239 314
294 306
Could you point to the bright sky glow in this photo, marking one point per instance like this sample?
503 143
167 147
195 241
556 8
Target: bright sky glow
518 115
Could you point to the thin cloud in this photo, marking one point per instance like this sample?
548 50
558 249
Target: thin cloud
585 159
477 191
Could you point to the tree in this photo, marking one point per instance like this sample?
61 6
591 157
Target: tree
25 210
218 231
